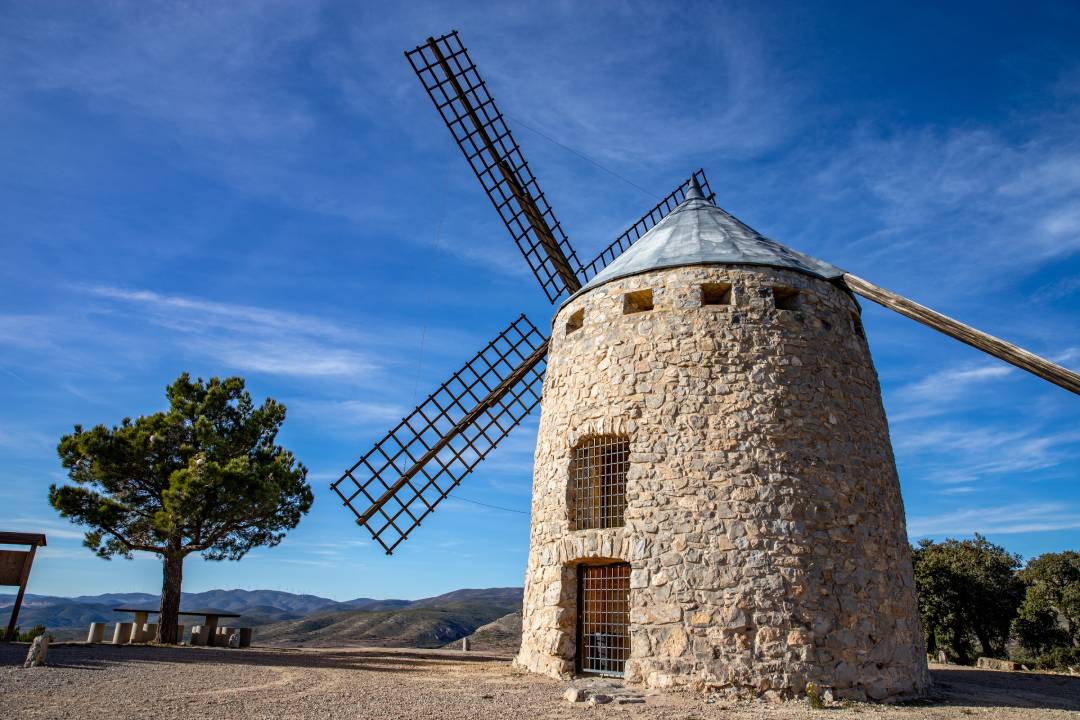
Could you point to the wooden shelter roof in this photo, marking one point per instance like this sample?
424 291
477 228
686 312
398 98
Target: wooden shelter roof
21 538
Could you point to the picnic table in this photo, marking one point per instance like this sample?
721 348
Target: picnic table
210 617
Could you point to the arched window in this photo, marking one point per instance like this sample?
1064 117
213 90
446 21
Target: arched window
598 469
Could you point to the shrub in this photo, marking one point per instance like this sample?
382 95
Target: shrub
27 636
1059 658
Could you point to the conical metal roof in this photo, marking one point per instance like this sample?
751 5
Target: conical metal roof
697 232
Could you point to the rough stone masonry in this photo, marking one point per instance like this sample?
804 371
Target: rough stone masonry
764 526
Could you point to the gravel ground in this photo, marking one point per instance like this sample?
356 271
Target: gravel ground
114 683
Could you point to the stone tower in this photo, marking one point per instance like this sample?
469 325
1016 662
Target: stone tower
715 500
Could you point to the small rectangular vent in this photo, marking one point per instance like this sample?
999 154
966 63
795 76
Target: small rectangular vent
575 321
785 298
637 301
716 294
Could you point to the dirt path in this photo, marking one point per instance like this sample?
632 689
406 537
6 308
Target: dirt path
117 683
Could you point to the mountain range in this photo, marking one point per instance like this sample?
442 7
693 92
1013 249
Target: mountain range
283 618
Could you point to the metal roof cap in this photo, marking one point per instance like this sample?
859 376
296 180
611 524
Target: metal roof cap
697 232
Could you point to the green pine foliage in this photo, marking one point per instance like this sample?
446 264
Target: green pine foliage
205 476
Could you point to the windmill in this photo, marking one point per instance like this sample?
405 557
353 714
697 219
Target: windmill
664 406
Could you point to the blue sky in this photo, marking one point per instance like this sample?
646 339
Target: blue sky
263 189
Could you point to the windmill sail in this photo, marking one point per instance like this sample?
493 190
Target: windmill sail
414 467
642 226
462 99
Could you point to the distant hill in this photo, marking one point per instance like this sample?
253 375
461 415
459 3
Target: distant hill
228 600
63 617
509 596
242 600
291 619
500 636
428 623
372 604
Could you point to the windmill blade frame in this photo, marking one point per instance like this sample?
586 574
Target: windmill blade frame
643 225
415 466
462 99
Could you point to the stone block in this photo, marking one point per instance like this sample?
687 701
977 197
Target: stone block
38 652
996 664
656 614
575 695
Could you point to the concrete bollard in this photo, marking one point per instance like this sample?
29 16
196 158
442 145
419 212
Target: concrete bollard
245 637
97 633
122 633
39 649
464 644
224 633
149 632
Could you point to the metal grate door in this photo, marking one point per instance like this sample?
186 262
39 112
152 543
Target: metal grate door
603 618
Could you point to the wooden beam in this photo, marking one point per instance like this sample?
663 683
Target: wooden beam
22 590
1062 377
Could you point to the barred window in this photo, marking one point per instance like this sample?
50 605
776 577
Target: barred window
598 482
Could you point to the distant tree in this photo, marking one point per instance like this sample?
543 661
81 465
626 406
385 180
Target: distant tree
19 636
1049 616
205 476
969 591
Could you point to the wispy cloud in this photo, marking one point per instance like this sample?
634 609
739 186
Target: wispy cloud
350 415
52 527
228 316
971 451
198 68
25 331
251 338
1004 519
1058 290
933 392
617 94
1010 195
24 439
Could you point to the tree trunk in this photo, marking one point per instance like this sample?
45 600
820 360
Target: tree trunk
173 575
984 641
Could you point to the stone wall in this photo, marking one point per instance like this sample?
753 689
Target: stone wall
764 525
